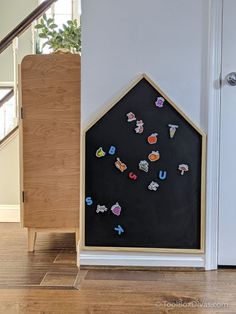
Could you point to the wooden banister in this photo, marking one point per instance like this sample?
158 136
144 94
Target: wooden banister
9 134
6 97
22 26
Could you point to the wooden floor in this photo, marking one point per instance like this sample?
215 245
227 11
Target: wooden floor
101 291
52 264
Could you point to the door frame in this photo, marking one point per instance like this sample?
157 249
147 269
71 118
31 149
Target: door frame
213 99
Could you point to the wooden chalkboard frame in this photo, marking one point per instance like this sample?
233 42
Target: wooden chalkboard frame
203 179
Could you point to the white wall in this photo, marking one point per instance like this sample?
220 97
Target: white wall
166 39
12 12
9 180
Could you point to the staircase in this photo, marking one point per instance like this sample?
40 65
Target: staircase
9 104
7 111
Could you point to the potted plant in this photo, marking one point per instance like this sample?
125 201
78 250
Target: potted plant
66 39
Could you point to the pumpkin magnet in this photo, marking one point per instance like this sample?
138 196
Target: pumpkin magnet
154 156
152 139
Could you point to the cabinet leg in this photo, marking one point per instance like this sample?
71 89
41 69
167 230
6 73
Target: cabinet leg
77 236
31 239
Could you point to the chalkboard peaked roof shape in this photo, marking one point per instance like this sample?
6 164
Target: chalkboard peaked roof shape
169 218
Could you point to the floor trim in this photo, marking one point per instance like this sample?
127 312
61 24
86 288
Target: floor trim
92 258
9 213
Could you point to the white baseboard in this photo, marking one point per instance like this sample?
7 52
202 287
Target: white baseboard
102 258
9 213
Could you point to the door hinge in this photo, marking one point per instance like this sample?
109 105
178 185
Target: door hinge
21 113
220 80
23 196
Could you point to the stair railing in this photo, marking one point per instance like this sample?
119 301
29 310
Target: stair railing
12 39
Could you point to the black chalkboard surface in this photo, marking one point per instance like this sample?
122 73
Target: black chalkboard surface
144 171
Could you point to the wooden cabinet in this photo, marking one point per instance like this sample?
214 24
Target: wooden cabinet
50 143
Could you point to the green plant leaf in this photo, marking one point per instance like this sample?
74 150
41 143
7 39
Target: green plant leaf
38 26
41 35
50 20
53 26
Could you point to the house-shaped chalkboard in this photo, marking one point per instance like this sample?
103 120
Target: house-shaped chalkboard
144 176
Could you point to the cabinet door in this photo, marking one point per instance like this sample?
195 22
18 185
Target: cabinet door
51 140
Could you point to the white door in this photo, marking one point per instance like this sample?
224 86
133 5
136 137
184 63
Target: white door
227 203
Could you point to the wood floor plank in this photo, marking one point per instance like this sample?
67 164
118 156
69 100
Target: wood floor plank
101 291
18 267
